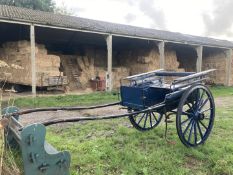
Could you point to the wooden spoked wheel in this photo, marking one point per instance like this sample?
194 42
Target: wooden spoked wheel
195 115
145 121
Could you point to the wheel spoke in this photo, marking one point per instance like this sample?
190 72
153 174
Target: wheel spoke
141 118
155 117
193 105
190 107
145 120
190 132
195 133
200 132
206 110
201 97
202 124
197 98
203 104
183 122
185 113
186 129
150 121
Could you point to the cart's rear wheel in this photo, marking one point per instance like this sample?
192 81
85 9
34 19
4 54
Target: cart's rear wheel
195 115
145 121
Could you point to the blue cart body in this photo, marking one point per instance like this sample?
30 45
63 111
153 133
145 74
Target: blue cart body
148 89
141 97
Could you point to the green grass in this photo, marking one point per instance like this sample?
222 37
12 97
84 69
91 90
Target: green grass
66 100
112 147
221 91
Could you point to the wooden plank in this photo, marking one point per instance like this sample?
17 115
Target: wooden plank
33 59
199 51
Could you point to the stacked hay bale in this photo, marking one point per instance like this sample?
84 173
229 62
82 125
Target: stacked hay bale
86 67
117 74
18 54
125 63
218 62
171 62
79 70
147 60
70 69
139 61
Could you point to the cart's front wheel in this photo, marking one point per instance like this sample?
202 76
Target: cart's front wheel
145 121
195 115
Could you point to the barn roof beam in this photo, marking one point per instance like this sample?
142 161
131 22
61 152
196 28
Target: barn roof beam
106 33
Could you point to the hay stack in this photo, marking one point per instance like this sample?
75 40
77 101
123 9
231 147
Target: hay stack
171 62
79 70
217 62
117 74
18 55
86 66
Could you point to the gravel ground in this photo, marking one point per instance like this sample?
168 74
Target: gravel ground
51 115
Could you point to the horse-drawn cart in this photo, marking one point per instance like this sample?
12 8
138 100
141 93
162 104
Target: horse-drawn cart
187 97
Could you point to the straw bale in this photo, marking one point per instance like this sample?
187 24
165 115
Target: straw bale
218 62
16 66
171 62
80 63
18 56
3 64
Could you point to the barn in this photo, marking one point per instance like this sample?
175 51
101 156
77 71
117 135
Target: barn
45 49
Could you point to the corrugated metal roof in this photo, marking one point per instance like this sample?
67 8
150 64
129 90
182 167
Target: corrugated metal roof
46 18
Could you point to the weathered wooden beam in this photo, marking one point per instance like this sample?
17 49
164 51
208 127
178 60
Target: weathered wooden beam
109 61
161 46
33 59
199 50
228 67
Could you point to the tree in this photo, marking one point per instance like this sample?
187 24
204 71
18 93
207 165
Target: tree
43 5
63 10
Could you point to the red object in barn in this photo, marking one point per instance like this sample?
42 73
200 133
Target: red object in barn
98 84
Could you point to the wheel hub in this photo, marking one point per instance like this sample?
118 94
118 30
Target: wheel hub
198 115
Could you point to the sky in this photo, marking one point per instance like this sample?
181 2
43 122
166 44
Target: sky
211 18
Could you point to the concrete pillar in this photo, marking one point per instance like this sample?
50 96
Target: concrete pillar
33 59
161 46
109 60
199 50
228 67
